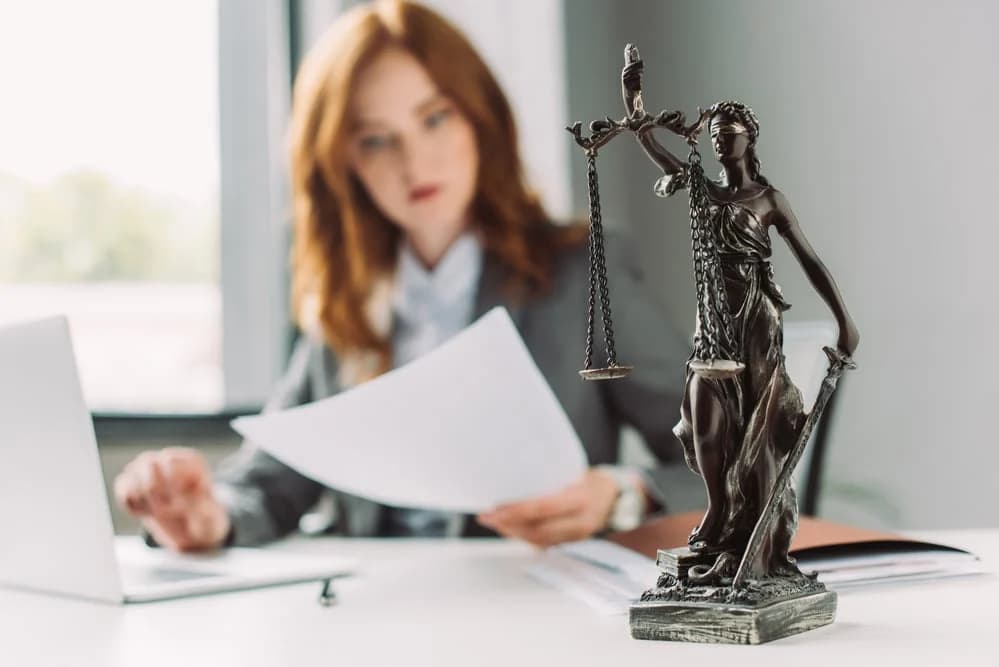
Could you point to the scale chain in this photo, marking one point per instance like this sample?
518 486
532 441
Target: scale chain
598 272
712 302
594 195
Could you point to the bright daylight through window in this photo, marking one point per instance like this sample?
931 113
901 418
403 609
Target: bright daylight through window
109 193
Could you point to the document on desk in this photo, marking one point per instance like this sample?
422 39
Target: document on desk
609 575
470 425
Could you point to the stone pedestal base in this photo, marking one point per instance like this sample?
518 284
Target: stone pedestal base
684 608
731 623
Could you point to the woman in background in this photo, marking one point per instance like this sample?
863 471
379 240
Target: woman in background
412 218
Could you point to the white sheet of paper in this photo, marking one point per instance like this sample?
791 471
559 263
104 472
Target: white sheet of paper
463 428
602 574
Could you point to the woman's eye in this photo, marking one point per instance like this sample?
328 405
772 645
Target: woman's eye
373 142
437 118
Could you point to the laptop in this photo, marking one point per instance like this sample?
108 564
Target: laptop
57 535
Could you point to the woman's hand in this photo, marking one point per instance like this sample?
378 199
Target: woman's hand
575 513
171 492
849 338
631 87
631 77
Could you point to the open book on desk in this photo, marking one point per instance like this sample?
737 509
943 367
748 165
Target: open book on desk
611 573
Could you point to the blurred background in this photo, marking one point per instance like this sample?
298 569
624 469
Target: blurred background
143 191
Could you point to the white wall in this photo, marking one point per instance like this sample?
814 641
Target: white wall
879 124
523 43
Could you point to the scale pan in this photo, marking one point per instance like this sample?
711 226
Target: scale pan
609 373
717 369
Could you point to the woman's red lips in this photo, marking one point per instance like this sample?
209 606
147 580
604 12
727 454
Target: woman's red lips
423 192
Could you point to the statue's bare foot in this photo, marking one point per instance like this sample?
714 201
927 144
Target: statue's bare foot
705 536
786 567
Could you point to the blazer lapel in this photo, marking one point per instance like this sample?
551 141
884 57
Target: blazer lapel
492 292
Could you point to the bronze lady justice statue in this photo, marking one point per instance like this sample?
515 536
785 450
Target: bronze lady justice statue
741 416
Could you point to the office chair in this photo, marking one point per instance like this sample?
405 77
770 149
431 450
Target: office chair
807 364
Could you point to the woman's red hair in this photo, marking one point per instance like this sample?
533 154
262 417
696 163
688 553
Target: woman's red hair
343 244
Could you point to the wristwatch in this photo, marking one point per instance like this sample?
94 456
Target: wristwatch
629 508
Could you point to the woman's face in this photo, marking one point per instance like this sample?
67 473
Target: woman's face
729 138
411 147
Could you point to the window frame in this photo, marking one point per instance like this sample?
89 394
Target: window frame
254 102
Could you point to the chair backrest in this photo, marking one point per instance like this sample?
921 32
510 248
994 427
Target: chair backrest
807 364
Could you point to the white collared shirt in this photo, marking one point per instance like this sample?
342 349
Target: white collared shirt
429 306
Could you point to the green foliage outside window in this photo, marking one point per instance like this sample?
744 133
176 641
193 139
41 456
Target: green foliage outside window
82 227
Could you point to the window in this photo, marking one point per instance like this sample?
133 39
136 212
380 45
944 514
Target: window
109 193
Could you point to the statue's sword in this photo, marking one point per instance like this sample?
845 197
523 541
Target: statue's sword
838 362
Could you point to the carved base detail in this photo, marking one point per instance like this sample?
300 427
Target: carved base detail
722 623
679 609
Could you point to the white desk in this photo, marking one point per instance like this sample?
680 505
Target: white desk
422 602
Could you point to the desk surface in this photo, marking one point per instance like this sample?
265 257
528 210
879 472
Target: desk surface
428 602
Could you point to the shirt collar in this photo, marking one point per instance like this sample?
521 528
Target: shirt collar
455 277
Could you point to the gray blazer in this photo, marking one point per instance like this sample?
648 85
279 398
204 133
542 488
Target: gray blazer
266 498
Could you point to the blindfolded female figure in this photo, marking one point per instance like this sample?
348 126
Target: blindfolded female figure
737 427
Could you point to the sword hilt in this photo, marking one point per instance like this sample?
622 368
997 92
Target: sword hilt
838 358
